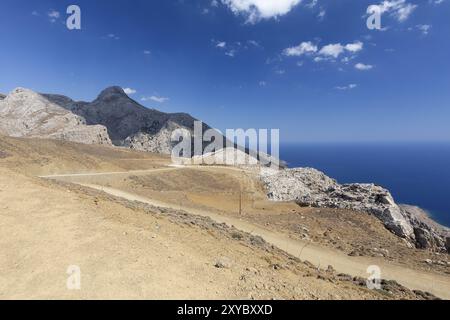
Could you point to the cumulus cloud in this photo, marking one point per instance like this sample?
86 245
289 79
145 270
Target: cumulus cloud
336 49
255 10
129 91
363 67
332 50
329 52
301 49
354 47
155 99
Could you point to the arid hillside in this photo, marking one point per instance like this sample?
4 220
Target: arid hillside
137 228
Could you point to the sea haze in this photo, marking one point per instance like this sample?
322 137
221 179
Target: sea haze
415 173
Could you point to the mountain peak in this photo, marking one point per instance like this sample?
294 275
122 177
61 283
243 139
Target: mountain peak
112 92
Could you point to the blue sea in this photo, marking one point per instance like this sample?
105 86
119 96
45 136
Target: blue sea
415 173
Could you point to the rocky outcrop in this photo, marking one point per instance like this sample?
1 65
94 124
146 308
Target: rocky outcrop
24 113
159 142
2 96
428 233
310 187
447 244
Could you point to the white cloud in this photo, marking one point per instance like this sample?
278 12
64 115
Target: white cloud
329 52
147 52
318 59
335 50
262 83
321 14
349 87
256 10
53 15
129 91
230 53
399 9
363 67
113 36
404 12
332 50
424 28
35 13
312 4
354 47
301 49
254 43
156 99
222 44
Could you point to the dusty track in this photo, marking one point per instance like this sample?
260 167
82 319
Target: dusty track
319 256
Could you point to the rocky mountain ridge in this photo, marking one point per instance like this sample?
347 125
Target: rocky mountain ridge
129 124
112 118
312 188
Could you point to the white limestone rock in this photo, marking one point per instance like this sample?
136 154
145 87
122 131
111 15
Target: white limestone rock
24 113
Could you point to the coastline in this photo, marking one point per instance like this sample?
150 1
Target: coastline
414 172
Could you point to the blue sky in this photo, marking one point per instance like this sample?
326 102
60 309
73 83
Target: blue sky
310 68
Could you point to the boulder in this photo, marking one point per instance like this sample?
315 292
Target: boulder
223 263
424 240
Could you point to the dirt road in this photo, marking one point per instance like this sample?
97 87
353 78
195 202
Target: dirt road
319 256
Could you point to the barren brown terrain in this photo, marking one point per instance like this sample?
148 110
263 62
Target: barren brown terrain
138 228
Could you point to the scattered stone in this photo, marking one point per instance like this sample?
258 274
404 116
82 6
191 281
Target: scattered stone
344 277
257 241
276 267
237 236
223 263
425 295
330 269
252 270
428 261
305 229
4 155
